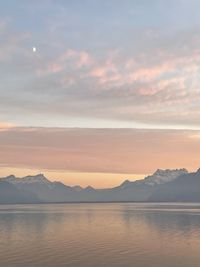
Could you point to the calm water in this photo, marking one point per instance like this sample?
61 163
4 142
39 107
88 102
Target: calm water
83 235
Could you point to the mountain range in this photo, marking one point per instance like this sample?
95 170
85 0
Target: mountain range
162 186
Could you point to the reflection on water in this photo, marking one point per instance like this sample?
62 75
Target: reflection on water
125 235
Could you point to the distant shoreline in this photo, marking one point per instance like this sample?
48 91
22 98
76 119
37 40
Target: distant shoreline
103 202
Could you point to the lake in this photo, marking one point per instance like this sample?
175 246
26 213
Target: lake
83 235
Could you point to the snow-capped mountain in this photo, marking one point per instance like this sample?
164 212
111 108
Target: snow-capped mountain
164 176
158 177
39 185
30 179
185 188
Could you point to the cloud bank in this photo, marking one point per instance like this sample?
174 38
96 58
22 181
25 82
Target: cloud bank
99 150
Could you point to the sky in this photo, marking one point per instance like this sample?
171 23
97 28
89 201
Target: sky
94 92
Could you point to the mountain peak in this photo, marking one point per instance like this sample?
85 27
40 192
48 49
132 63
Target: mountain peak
166 171
198 171
38 178
30 179
125 183
89 189
163 176
10 176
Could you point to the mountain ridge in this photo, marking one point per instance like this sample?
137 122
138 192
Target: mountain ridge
162 185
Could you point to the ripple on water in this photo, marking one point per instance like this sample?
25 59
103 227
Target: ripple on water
120 235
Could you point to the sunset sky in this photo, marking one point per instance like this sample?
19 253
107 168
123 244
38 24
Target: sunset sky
95 92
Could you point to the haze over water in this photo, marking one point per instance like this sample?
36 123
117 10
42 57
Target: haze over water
123 234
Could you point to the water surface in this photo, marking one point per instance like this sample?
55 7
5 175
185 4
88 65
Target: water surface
83 235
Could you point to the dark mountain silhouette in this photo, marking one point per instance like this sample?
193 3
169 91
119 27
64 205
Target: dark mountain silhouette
185 188
163 185
10 194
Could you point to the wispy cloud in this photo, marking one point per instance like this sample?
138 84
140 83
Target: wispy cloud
72 59
146 74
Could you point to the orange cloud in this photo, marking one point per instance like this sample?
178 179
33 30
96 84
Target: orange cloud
99 150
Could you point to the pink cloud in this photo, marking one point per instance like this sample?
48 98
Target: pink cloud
149 74
127 72
105 73
80 58
84 59
154 82
69 59
163 85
